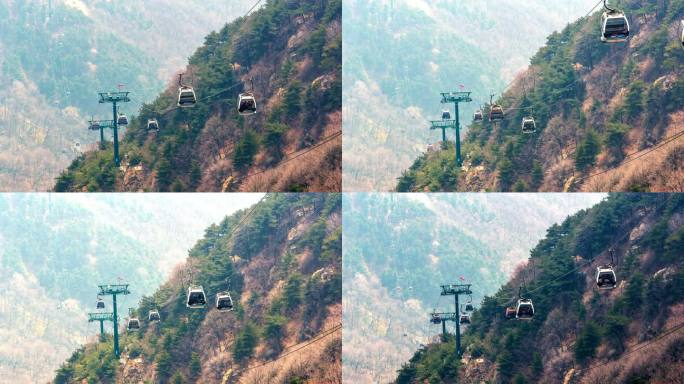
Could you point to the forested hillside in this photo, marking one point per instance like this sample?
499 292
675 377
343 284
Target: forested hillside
281 262
288 54
400 54
580 334
54 249
398 249
55 55
608 116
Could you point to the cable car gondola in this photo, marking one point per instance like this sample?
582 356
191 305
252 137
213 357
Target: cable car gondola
496 113
469 307
435 319
100 304
186 97
152 125
153 316
478 115
247 104
510 313
614 25
525 309
224 302
465 319
196 297
122 120
133 324
446 115
528 125
605 277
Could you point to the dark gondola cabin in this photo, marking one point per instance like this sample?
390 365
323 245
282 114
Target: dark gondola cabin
224 302
446 115
528 125
615 27
154 316
196 298
152 125
510 313
469 307
122 120
465 319
478 115
525 309
100 304
133 324
605 277
186 97
435 319
496 113
247 104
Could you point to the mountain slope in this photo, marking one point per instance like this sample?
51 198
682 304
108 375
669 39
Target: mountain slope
55 249
281 261
397 248
580 334
400 54
55 55
289 54
608 117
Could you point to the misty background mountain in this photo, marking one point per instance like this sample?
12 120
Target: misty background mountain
56 249
398 56
55 55
398 249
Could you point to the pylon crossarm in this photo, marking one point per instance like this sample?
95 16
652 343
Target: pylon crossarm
114 289
114 97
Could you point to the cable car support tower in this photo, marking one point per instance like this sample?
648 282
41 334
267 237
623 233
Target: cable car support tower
115 98
113 290
456 290
101 317
456 98
101 125
443 317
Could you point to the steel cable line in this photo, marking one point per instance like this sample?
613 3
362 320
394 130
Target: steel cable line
228 239
297 154
663 143
662 335
307 343
581 265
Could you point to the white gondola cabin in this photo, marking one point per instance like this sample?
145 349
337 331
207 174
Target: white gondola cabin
524 310
122 120
196 297
247 104
152 125
186 97
605 277
153 316
224 302
614 27
529 125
